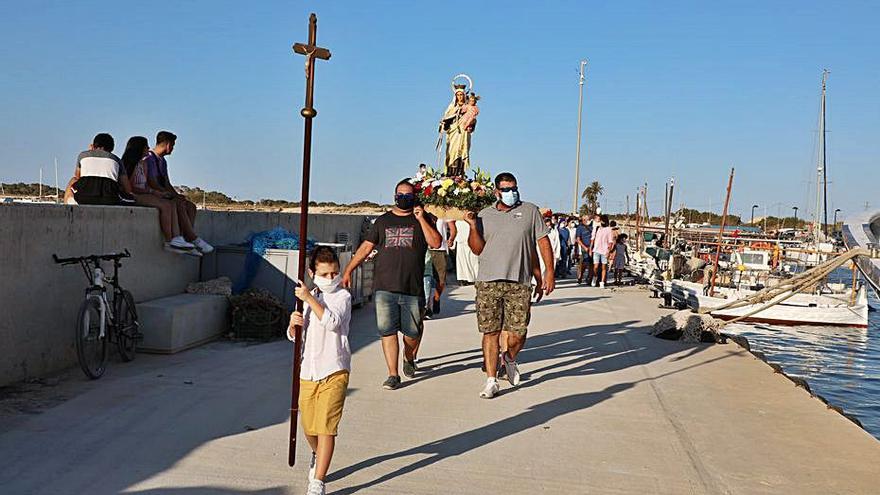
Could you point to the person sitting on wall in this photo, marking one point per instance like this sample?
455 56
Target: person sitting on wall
133 159
158 180
99 177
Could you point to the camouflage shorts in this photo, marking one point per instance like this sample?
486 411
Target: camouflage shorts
503 306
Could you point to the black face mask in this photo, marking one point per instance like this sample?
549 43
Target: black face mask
405 201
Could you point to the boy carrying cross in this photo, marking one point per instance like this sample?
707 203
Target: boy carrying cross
326 360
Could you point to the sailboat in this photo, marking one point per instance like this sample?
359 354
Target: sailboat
826 305
818 249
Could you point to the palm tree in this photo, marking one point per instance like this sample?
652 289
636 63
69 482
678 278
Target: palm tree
591 194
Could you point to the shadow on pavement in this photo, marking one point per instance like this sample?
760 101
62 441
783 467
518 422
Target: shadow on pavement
583 351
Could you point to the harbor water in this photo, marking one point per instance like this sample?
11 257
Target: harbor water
840 364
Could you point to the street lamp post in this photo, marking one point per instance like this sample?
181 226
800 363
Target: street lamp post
753 215
795 208
834 228
577 159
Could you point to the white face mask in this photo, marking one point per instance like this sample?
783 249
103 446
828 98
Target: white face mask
327 285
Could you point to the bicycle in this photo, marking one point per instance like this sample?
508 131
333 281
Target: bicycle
102 320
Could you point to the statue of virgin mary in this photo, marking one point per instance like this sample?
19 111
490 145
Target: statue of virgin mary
458 140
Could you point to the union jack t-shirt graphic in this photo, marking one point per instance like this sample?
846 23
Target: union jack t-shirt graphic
399 237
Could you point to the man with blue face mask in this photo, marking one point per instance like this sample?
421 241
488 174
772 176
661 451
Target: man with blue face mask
506 237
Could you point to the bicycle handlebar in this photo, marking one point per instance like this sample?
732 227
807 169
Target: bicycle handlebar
93 258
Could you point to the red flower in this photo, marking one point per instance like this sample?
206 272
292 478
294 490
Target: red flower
429 190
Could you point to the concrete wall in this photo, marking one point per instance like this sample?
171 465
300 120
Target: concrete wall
39 300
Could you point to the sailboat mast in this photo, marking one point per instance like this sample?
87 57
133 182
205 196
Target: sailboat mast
824 165
57 194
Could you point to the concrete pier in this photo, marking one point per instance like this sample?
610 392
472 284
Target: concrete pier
603 408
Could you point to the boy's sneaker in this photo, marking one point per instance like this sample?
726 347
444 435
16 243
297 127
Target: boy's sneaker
601 285
512 370
202 246
392 383
313 465
491 389
171 249
316 487
180 243
595 283
409 369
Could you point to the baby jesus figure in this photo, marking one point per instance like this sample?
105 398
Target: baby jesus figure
469 112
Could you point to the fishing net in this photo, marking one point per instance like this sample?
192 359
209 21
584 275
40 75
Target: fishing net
258 243
257 314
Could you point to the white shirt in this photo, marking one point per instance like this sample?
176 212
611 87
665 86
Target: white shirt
444 234
326 349
555 244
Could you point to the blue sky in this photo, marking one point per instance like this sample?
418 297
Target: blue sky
682 89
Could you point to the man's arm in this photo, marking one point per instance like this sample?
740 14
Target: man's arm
475 238
453 232
360 255
536 272
429 229
547 255
170 188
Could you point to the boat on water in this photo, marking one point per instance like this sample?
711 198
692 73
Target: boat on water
837 307
863 231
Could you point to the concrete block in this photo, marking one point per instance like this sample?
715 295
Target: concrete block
176 323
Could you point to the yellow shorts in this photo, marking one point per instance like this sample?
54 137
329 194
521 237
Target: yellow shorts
320 403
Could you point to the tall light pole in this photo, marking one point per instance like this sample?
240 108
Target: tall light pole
795 208
753 215
834 228
577 159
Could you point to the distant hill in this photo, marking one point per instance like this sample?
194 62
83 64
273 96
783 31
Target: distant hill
194 194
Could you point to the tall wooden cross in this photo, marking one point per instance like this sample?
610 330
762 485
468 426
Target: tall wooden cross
311 51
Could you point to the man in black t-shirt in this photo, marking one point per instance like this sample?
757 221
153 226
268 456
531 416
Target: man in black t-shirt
401 237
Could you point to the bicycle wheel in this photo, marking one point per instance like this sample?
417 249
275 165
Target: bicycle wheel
127 334
91 348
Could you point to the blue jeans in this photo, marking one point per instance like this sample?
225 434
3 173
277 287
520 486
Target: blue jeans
397 312
429 289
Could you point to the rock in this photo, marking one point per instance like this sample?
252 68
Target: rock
687 327
740 341
800 382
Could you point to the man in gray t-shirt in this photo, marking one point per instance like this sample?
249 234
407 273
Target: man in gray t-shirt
507 237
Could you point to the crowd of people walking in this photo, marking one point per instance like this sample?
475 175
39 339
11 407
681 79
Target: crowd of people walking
510 251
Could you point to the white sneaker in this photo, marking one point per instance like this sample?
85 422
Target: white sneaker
491 389
316 487
512 370
202 246
601 285
313 465
172 249
180 243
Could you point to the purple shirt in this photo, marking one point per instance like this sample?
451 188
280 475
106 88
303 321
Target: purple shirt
157 168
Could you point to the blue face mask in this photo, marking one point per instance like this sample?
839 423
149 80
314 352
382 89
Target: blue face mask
510 198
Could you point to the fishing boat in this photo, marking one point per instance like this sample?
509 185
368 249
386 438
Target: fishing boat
830 307
864 231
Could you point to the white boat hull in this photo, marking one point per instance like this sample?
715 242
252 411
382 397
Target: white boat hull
800 309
